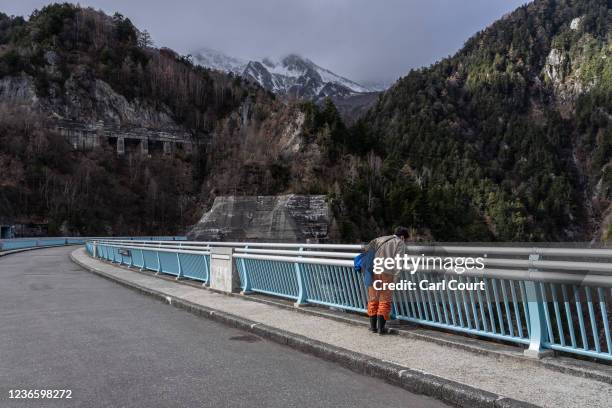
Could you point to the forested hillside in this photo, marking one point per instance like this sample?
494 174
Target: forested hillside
77 64
509 139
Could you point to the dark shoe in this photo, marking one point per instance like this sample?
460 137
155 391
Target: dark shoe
381 325
373 320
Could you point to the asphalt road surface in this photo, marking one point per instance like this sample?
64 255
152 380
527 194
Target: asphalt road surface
64 328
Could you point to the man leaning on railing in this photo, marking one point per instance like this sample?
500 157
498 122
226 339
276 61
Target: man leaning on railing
380 300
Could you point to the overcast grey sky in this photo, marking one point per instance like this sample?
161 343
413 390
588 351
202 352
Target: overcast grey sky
364 40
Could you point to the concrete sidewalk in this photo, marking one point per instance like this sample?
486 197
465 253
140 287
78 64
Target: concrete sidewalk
452 374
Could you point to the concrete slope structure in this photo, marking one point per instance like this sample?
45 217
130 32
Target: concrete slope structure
284 218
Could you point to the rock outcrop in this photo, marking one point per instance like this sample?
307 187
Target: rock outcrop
284 218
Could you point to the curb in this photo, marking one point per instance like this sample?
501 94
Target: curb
418 382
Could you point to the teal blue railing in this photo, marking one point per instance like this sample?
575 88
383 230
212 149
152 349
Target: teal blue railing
26 243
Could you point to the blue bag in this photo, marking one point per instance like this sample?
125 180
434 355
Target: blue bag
364 263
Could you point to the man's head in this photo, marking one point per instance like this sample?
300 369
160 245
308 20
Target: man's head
402 232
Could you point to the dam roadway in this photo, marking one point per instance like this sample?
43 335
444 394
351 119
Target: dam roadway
65 328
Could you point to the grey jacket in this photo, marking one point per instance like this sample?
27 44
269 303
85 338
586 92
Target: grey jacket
390 249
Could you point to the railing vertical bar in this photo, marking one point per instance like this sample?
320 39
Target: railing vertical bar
604 317
351 279
417 295
507 307
585 344
525 307
592 319
568 315
481 307
341 287
431 306
295 279
553 290
457 303
465 305
451 304
281 281
363 290
335 285
288 275
307 274
551 337
473 304
346 284
500 317
323 284
435 295
425 304
444 301
405 304
489 307
257 280
412 304
517 314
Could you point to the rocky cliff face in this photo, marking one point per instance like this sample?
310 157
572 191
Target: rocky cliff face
284 218
86 106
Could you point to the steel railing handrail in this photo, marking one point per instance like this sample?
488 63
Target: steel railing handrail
257 244
595 267
576 272
416 249
154 246
160 249
604 268
299 253
518 251
305 260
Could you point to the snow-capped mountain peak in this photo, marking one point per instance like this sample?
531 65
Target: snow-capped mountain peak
292 75
210 58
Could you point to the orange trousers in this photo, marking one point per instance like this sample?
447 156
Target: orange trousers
380 301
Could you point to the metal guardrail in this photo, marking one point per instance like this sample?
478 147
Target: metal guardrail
25 243
561 303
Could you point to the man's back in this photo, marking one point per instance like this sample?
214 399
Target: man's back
388 246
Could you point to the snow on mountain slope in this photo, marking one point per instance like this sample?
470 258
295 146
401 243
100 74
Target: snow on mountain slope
292 75
209 58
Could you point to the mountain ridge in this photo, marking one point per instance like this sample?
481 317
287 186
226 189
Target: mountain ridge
291 75
510 139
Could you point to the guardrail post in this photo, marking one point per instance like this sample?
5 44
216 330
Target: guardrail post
301 299
223 274
178 261
537 322
159 268
144 261
247 282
